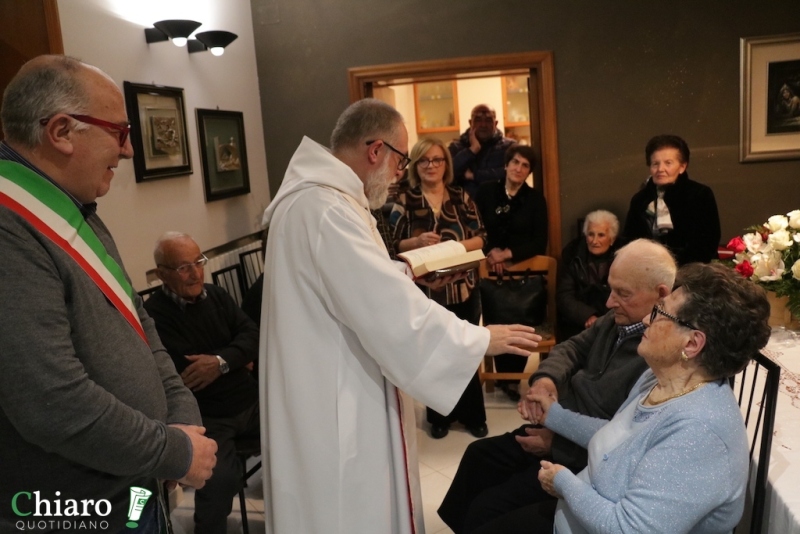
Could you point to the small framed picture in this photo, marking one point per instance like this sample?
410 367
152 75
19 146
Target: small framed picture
224 153
158 131
770 98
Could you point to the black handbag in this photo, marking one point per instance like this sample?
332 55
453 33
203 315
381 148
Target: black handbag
519 298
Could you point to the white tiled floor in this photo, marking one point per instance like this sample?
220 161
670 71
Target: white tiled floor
438 462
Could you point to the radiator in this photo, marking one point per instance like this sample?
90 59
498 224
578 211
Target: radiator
227 259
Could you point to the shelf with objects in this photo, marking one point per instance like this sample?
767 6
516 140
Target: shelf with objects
516 110
436 106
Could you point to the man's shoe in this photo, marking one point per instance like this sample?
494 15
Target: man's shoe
479 431
439 431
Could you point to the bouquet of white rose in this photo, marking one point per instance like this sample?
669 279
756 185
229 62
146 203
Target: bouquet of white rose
769 254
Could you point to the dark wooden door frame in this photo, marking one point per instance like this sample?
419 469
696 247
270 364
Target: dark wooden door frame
542 102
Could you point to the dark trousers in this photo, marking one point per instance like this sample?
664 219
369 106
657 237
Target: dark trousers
509 363
495 477
214 501
470 409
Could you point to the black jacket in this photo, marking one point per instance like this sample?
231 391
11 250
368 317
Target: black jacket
523 228
696 232
578 297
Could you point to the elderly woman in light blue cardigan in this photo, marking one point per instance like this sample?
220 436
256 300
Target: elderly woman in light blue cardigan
674 458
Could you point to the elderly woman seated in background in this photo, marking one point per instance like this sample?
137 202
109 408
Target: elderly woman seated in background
674 458
583 274
672 209
434 210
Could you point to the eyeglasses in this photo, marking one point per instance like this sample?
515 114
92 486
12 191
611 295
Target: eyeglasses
404 159
121 131
435 163
186 268
657 310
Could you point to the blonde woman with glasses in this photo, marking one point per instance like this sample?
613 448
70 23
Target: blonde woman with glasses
430 211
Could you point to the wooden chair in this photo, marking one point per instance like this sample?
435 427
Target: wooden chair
758 391
230 279
252 262
545 266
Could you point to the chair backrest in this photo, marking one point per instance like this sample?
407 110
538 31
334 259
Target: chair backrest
252 263
145 293
757 391
230 279
543 265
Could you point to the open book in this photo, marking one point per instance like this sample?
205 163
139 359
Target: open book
447 257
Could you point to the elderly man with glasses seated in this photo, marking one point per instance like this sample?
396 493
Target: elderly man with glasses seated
212 342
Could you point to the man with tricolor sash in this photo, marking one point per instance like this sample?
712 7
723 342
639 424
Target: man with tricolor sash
90 403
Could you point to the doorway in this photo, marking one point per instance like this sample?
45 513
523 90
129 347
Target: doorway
538 66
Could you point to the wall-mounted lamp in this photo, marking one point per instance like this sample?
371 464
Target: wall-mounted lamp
177 30
216 41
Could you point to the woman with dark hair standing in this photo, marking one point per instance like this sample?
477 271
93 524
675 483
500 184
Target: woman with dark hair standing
673 209
515 217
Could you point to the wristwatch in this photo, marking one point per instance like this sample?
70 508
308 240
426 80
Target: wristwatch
223 365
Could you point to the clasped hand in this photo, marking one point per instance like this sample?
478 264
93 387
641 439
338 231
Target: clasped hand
203 370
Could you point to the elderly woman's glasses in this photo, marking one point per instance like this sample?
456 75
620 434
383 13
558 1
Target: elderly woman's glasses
404 159
186 268
657 310
121 131
435 163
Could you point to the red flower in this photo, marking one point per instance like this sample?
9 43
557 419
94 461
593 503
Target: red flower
736 245
745 269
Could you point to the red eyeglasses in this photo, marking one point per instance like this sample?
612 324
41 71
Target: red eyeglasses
122 131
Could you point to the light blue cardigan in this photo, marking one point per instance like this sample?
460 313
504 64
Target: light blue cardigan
684 470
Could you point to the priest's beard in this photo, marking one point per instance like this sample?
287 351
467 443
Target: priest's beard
376 186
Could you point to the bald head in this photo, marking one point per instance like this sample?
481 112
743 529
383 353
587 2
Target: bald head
483 121
646 264
44 86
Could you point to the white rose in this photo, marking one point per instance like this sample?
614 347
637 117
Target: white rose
796 270
777 222
780 240
768 266
794 219
753 242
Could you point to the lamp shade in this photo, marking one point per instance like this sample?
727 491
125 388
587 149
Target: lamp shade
216 39
176 29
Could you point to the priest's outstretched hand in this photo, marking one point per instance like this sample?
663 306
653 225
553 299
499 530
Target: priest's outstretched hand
512 339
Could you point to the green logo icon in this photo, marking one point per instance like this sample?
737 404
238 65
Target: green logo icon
139 497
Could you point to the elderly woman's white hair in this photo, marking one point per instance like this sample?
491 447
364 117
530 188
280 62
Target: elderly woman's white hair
602 217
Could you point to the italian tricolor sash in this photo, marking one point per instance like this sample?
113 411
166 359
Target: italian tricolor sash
45 207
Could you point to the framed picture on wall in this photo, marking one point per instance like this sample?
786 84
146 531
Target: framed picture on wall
158 131
770 98
224 153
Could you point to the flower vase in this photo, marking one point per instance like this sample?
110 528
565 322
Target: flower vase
779 314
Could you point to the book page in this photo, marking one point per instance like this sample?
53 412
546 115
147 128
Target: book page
421 256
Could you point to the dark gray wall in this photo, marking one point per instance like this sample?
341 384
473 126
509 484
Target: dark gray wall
625 71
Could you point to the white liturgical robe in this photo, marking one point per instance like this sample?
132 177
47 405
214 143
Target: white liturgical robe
341 326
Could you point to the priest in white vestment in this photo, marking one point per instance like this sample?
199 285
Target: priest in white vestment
341 326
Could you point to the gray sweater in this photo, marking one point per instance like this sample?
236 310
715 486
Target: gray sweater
84 402
681 466
593 378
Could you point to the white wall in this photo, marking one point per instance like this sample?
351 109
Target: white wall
110 35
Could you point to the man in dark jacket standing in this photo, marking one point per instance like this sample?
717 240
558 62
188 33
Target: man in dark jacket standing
592 373
478 155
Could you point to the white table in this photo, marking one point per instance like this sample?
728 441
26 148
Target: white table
783 492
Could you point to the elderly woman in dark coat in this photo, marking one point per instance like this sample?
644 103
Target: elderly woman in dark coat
583 274
672 209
